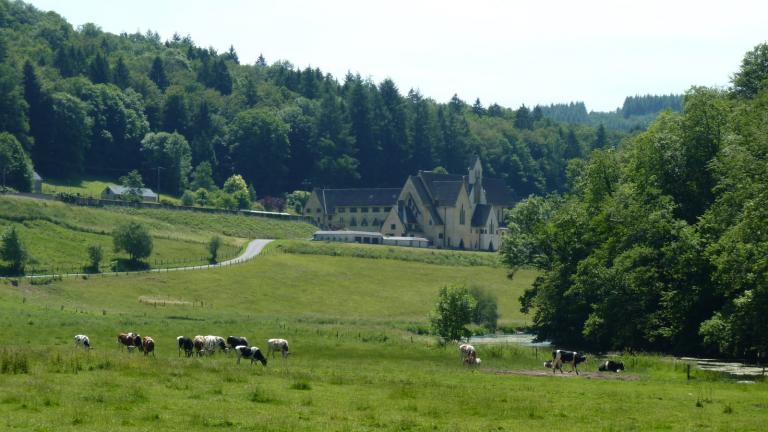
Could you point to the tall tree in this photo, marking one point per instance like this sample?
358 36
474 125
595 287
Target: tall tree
98 69
157 74
260 148
122 76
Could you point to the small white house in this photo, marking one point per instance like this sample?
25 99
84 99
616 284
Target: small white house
115 192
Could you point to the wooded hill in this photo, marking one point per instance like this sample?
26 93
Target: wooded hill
84 101
661 245
636 113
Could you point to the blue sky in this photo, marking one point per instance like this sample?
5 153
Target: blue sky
512 53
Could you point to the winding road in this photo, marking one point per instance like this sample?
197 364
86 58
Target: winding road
252 250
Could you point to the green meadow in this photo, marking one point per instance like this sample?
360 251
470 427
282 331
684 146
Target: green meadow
355 364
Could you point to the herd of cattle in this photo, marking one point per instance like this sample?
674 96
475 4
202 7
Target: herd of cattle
199 345
468 356
202 345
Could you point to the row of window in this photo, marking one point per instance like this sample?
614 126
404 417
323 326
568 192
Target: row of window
363 222
364 209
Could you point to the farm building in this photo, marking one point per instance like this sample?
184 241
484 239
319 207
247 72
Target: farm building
350 237
115 192
406 241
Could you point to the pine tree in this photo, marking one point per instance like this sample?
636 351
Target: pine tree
98 69
477 108
122 77
157 74
601 141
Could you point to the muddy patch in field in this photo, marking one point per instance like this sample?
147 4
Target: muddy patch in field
606 376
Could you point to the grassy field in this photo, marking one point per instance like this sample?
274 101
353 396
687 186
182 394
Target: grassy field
353 366
57 234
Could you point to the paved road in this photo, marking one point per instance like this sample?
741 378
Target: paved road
254 248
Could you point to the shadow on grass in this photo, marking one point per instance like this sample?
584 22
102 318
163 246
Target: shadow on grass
123 264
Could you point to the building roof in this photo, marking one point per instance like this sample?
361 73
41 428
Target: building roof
332 198
121 190
481 214
426 198
399 238
36 176
345 232
497 192
446 192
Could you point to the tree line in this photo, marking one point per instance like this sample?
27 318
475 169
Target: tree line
660 244
83 101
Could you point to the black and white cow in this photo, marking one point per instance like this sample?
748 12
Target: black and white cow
236 341
611 366
82 341
186 345
253 353
570 357
212 343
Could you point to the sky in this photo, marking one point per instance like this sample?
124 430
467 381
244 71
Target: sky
507 52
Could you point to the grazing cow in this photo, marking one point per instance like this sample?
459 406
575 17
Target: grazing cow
199 344
129 340
148 345
215 342
280 345
185 344
611 366
82 341
236 341
468 355
571 357
253 353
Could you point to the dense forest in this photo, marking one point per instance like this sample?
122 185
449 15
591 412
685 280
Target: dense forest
86 102
662 243
636 113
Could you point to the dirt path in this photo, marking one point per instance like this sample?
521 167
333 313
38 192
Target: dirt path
607 376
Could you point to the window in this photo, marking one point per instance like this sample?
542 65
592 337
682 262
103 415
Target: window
387 209
341 220
330 217
430 221
375 209
364 209
375 222
353 221
358 239
392 227
364 222
318 210
353 209
440 235
341 209
461 215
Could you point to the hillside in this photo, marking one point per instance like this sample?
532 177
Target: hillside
100 104
57 234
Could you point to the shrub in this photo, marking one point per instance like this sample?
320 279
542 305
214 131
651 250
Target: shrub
453 312
95 254
188 198
213 248
13 250
134 239
486 311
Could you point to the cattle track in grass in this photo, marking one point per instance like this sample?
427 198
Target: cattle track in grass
608 376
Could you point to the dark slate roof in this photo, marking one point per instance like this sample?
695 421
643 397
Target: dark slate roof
120 190
426 198
481 214
363 197
446 192
430 178
497 192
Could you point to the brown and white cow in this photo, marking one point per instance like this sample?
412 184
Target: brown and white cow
148 345
199 344
129 340
468 355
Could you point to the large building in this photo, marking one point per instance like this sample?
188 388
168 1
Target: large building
451 211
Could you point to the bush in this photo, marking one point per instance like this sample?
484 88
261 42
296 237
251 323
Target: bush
188 198
13 250
453 312
213 248
95 254
486 311
134 239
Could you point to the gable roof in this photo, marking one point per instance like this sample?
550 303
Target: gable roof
446 192
426 198
122 190
332 198
481 214
497 192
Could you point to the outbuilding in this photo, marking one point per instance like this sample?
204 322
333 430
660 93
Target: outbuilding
115 192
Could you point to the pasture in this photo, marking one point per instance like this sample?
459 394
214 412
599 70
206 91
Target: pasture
57 235
354 364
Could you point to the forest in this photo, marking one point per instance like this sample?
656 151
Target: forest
661 244
84 102
636 113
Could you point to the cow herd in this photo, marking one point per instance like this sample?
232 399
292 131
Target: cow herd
468 356
199 346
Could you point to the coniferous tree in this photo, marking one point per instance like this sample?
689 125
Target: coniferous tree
122 77
157 74
98 69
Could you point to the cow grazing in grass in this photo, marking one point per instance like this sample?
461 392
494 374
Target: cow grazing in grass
572 358
278 345
185 344
148 345
129 340
212 343
82 341
253 353
235 341
199 345
468 355
611 366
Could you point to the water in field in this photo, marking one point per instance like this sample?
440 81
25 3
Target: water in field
524 339
727 367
